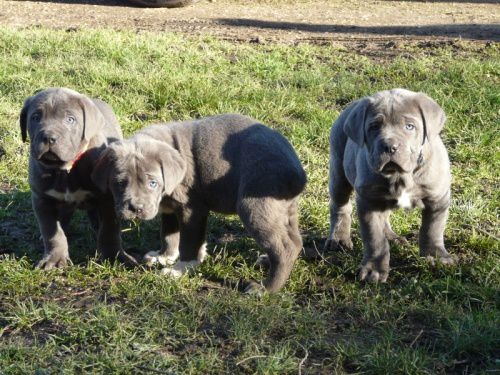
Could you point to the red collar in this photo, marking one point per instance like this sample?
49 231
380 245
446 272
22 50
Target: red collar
72 163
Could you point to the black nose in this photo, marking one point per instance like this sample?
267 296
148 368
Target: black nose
49 139
391 147
136 208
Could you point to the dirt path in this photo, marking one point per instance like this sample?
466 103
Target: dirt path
321 21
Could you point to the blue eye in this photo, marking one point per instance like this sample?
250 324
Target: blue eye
410 127
153 184
70 120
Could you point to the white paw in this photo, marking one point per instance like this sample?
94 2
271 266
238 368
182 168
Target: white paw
154 257
202 253
180 268
170 272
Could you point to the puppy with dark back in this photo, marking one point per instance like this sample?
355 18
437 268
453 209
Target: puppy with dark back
68 131
387 147
227 164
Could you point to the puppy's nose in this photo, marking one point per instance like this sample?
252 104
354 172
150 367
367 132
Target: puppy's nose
49 138
391 147
136 208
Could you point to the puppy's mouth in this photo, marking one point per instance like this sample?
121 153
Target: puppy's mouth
51 160
391 168
130 215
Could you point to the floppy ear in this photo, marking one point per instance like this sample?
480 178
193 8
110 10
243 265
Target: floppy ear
173 167
93 120
433 116
100 175
23 119
354 124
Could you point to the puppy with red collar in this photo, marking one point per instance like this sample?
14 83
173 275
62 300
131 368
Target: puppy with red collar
68 131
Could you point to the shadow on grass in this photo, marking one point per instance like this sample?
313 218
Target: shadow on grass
20 235
467 31
226 236
448 1
119 3
116 3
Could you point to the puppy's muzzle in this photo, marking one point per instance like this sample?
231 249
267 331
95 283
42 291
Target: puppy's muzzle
134 210
390 158
46 150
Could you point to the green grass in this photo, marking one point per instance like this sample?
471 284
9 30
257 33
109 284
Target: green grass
102 318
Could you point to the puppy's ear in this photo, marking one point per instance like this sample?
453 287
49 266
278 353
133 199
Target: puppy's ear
23 119
433 116
102 171
354 124
93 119
173 167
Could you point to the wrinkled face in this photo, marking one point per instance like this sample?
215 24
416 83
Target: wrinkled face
136 182
55 123
394 134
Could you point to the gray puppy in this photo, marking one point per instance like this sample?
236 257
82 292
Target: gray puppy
68 131
387 148
227 164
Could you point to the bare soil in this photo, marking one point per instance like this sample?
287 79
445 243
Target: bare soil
369 23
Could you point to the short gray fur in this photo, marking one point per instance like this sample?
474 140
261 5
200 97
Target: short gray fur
228 164
387 147
68 131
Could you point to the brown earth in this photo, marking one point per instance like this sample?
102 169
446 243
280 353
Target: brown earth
374 22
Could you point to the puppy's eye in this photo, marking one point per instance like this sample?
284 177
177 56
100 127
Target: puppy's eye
36 117
153 184
70 120
374 126
410 127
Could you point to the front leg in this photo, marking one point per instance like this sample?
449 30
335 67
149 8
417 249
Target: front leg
169 233
109 243
192 227
54 240
375 264
431 237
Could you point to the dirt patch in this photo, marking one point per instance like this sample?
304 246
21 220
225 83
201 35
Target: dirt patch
323 21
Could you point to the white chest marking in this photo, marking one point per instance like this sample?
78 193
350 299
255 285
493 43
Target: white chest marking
404 200
77 196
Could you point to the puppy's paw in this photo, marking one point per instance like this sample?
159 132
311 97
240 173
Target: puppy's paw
180 268
446 261
254 289
155 257
398 240
336 244
202 253
373 272
170 272
127 259
263 261
439 255
51 261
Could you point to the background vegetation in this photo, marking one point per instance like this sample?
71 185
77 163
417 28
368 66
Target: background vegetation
102 318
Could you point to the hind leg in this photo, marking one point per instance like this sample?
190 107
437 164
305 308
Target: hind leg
274 225
340 208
